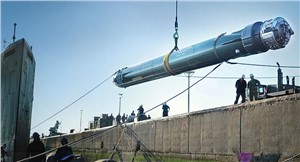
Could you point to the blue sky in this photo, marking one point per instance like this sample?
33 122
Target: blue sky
77 45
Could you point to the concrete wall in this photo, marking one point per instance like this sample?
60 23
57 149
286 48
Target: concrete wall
268 128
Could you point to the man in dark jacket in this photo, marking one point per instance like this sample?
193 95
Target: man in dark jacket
3 153
124 118
118 119
253 84
64 153
240 86
141 114
36 147
166 109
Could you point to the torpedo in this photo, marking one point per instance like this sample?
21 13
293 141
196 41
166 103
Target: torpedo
256 38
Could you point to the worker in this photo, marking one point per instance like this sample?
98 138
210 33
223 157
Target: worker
64 153
240 86
124 118
133 114
110 119
130 118
36 147
3 153
166 109
118 119
253 84
140 114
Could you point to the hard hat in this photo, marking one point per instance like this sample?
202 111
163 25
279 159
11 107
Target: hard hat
64 141
35 135
251 76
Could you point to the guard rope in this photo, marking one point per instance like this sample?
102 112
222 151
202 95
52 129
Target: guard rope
110 157
291 158
74 101
240 63
232 77
72 143
146 149
178 93
109 129
183 90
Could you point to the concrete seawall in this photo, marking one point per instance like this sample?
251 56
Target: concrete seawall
270 129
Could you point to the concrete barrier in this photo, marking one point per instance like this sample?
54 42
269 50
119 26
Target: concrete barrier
270 129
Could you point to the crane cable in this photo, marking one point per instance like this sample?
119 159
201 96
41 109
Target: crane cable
175 35
166 64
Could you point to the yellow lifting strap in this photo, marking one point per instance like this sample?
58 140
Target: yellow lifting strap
166 63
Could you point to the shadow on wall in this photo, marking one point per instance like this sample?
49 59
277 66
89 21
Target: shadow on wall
267 157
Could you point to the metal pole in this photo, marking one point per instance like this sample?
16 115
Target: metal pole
189 92
120 94
14 36
189 74
80 119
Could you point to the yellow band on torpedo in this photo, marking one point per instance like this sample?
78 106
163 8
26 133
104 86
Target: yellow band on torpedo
167 65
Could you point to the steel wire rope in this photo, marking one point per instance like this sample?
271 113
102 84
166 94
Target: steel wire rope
182 91
291 158
137 138
93 136
81 140
231 77
74 101
124 129
178 93
96 135
249 64
132 132
72 143
134 135
46 152
121 134
115 147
